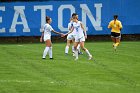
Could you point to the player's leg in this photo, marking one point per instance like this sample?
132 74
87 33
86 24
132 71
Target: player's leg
78 48
117 39
114 40
73 42
113 35
50 51
86 50
117 42
73 46
67 46
75 49
48 45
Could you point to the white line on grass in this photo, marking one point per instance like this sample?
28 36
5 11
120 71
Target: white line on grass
19 45
16 81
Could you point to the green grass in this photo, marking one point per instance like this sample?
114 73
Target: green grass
23 71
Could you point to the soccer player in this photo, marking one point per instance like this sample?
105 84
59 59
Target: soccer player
116 27
70 39
46 36
80 36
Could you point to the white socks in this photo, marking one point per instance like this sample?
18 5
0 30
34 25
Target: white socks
76 54
67 49
73 49
46 50
78 48
87 52
50 52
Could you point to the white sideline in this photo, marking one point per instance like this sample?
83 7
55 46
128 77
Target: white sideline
19 45
16 81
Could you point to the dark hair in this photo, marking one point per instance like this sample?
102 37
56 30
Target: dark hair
74 14
115 16
47 19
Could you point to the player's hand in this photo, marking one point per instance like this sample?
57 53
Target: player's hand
62 35
85 36
41 39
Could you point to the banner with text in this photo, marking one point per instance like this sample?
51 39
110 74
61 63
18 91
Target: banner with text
27 18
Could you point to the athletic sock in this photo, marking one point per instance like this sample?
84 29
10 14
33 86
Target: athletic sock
45 52
67 49
50 52
113 44
87 52
78 47
76 53
117 44
73 49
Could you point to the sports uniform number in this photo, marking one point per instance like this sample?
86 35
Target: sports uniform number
77 29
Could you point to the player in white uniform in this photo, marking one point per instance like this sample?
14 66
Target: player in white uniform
70 39
46 36
80 36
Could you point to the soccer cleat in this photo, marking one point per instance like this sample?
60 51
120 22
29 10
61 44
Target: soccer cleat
51 58
80 53
73 54
90 57
76 59
115 47
43 58
66 54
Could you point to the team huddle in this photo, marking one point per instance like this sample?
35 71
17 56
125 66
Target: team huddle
77 35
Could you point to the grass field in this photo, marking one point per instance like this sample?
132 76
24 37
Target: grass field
23 71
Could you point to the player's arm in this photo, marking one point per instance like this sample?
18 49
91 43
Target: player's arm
85 32
109 26
41 38
62 35
120 25
70 30
56 32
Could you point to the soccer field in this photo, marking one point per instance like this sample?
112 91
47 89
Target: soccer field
22 69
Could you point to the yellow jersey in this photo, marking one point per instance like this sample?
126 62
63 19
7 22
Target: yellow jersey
115 26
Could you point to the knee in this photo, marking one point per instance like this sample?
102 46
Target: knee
83 48
75 47
49 45
68 45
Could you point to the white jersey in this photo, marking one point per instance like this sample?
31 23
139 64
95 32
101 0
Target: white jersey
71 36
47 29
69 27
78 30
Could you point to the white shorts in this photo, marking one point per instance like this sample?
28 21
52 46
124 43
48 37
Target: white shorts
47 37
82 39
70 37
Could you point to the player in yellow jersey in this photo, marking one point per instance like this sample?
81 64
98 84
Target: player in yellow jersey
116 27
